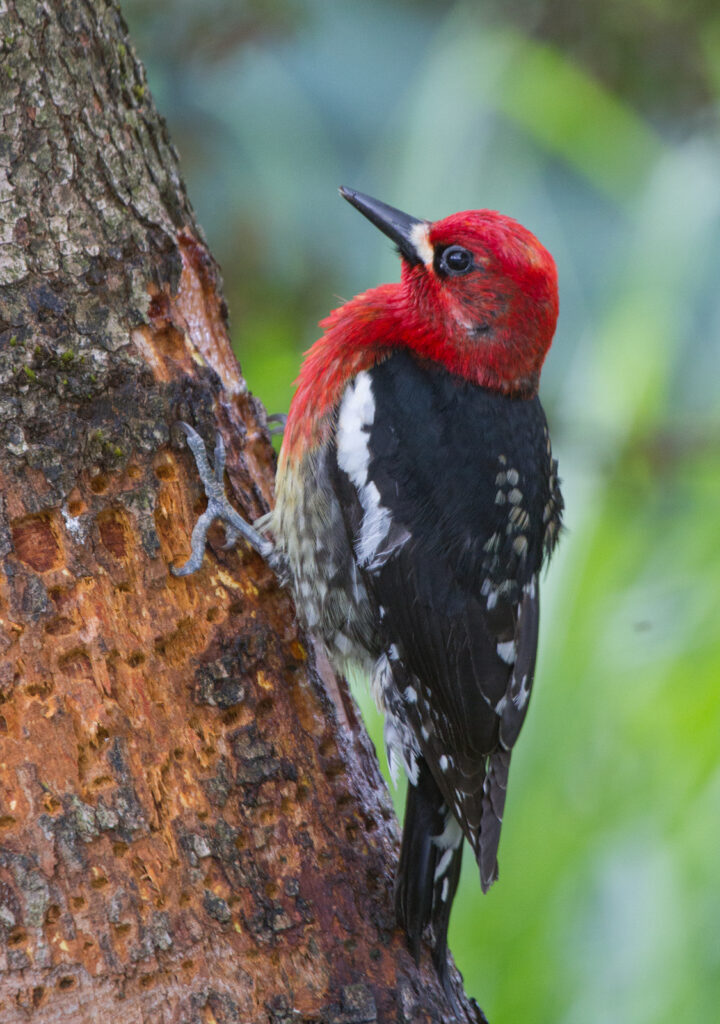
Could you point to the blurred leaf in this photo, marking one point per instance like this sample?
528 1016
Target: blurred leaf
574 116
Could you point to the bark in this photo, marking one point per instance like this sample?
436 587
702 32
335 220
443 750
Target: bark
189 832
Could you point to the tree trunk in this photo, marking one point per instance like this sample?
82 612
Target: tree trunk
189 830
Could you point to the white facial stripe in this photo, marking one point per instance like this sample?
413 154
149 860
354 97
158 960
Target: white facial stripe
419 238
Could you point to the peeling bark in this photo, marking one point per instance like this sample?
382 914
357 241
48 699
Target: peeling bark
188 832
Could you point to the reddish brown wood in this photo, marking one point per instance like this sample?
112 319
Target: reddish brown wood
188 830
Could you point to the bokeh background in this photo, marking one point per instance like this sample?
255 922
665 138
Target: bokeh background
596 125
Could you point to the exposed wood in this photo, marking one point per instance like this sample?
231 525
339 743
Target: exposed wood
188 833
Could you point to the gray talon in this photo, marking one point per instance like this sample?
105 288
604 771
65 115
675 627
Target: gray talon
276 422
219 458
218 507
231 537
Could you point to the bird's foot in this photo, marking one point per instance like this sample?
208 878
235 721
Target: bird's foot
218 507
276 422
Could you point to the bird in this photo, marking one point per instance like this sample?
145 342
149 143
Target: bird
417 500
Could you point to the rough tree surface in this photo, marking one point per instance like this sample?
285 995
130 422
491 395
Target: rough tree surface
187 831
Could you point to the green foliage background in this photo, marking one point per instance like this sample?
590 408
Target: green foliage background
596 125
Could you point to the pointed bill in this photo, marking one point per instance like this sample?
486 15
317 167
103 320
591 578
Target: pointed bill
408 233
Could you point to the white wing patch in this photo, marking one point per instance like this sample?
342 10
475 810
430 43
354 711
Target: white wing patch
357 412
355 418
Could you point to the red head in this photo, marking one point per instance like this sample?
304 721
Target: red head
479 293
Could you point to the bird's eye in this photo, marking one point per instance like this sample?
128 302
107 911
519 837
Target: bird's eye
455 261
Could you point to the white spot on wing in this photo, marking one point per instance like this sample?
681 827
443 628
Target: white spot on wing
521 697
451 836
444 863
507 651
520 545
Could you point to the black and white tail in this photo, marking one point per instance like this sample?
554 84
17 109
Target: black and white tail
429 868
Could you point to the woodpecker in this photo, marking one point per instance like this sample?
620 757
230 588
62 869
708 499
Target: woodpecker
417 499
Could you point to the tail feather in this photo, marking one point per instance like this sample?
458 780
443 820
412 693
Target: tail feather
444 893
414 881
429 868
494 789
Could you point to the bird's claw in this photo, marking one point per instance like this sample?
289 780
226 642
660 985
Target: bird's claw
218 507
276 422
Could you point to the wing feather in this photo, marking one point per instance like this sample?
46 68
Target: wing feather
458 592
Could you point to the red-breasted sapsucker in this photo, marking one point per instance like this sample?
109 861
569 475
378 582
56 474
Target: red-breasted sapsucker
416 500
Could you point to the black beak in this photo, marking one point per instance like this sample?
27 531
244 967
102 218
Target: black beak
394 223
